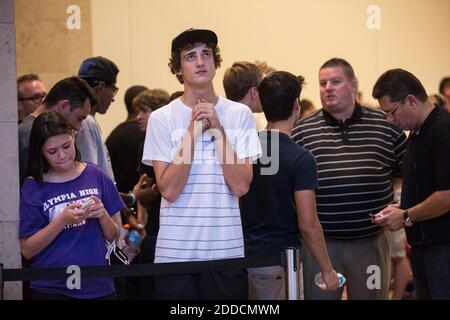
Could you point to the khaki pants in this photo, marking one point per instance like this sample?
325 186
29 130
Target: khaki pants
364 262
266 283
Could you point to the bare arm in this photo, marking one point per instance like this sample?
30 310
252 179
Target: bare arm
142 214
312 234
238 173
109 228
437 204
172 177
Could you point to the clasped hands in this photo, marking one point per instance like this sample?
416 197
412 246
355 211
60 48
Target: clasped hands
205 113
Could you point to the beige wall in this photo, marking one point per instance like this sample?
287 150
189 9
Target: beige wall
44 43
293 35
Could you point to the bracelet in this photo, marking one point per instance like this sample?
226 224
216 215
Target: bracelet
155 189
133 198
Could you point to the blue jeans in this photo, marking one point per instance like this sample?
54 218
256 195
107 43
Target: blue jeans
430 266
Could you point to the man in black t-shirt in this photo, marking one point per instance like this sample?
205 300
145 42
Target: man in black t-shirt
280 204
123 145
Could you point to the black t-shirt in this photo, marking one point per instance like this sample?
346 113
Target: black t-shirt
152 226
426 169
268 210
123 147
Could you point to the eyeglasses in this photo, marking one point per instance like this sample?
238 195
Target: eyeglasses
95 82
37 98
115 89
391 112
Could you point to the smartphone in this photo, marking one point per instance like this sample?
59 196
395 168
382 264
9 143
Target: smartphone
87 204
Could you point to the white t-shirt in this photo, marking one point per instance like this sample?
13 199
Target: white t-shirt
204 222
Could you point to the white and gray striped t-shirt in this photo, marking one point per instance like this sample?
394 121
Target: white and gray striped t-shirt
204 222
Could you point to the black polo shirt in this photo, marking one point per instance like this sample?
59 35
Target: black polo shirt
426 169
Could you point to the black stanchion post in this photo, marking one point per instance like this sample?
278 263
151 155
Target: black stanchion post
1 281
293 273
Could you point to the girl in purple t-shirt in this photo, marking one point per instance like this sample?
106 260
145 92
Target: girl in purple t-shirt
56 230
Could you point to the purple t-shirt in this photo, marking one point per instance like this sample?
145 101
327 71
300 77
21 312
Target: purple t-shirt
81 244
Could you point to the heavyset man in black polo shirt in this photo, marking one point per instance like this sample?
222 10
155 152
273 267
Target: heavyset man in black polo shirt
358 155
425 204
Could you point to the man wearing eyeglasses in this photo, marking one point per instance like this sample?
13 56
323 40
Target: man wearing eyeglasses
425 205
101 74
71 97
30 93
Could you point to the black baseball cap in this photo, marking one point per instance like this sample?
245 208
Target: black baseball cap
191 36
99 68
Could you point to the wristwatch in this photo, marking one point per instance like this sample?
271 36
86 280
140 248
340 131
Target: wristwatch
406 219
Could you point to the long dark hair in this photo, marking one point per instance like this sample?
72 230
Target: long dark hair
48 124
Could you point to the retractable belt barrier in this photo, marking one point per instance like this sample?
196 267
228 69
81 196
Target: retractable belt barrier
288 259
141 269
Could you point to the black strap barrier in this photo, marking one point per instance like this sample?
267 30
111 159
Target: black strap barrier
139 270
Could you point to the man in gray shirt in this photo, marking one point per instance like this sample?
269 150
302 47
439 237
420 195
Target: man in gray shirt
101 74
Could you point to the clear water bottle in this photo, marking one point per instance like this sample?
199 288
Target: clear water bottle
132 244
319 281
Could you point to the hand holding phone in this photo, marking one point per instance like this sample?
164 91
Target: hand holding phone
377 218
85 205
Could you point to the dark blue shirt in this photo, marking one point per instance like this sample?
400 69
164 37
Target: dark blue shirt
268 210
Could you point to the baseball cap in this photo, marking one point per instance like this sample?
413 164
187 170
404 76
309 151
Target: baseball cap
193 35
99 68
